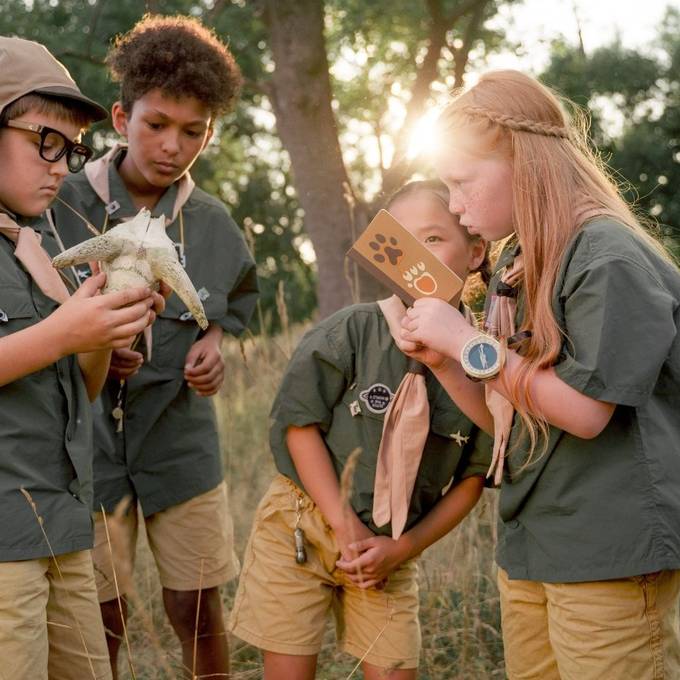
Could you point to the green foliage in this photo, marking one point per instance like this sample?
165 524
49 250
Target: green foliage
645 91
245 166
375 49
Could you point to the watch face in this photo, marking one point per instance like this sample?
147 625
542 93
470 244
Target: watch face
481 357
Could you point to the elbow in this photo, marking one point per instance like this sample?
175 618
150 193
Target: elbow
586 431
594 424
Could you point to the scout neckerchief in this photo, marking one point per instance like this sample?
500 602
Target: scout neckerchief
34 258
500 322
405 430
97 174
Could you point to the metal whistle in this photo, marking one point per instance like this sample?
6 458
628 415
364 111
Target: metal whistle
300 552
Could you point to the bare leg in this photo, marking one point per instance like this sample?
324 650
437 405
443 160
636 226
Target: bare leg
289 666
212 648
113 627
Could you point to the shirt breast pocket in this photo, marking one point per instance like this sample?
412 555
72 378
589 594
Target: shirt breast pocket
16 311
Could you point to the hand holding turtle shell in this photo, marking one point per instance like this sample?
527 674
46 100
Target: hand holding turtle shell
89 321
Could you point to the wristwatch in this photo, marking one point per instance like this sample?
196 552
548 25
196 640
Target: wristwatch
482 357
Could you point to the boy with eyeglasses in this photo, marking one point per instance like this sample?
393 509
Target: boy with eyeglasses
54 355
156 438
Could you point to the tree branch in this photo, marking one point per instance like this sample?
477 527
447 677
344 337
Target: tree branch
215 11
94 20
439 25
460 55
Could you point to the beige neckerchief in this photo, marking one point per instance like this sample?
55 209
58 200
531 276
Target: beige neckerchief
34 258
500 322
97 173
405 430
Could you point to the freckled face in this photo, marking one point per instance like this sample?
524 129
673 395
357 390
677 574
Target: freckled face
28 183
165 136
481 192
426 217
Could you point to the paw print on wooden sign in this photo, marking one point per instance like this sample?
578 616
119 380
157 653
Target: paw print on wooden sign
416 277
389 249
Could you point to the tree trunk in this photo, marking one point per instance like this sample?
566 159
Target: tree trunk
301 97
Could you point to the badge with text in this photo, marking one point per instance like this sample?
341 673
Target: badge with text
391 254
377 397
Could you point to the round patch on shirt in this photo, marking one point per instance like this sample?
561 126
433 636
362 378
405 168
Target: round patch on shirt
377 397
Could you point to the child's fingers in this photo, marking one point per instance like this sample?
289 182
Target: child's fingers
128 355
362 545
91 286
203 378
129 331
119 373
359 565
158 303
134 312
125 363
129 296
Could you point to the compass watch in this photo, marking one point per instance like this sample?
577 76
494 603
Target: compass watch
482 357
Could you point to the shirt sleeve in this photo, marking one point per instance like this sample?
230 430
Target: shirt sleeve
619 325
314 381
476 457
241 299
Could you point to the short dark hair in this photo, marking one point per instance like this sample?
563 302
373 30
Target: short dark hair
179 56
67 109
439 190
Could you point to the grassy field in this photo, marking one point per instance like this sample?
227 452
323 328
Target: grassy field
459 599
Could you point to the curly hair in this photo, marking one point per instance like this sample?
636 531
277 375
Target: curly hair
179 56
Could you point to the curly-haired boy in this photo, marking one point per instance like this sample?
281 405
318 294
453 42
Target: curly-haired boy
156 436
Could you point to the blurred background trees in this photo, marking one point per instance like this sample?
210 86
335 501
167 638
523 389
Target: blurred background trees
335 100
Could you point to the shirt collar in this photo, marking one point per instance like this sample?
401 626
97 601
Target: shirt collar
120 197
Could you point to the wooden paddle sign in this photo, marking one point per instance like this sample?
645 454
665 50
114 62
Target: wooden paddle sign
391 254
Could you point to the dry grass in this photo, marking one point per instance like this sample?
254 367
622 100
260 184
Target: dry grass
459 599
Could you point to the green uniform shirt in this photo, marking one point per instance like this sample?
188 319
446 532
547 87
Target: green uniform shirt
45 433
342 377
168 451
607 507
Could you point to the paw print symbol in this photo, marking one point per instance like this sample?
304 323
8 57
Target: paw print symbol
416 277
390 249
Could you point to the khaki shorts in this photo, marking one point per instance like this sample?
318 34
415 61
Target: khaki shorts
192 544
625 629
50 623
283 607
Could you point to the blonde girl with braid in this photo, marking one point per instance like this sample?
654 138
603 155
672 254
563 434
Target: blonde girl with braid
577 375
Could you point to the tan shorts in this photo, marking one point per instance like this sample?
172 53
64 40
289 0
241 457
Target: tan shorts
50 623
192 544
283 607
625 629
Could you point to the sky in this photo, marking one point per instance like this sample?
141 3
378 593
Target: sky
535 23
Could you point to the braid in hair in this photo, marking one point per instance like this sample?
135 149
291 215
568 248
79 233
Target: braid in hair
518 123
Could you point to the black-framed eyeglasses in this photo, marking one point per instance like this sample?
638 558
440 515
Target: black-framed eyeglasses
53 145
